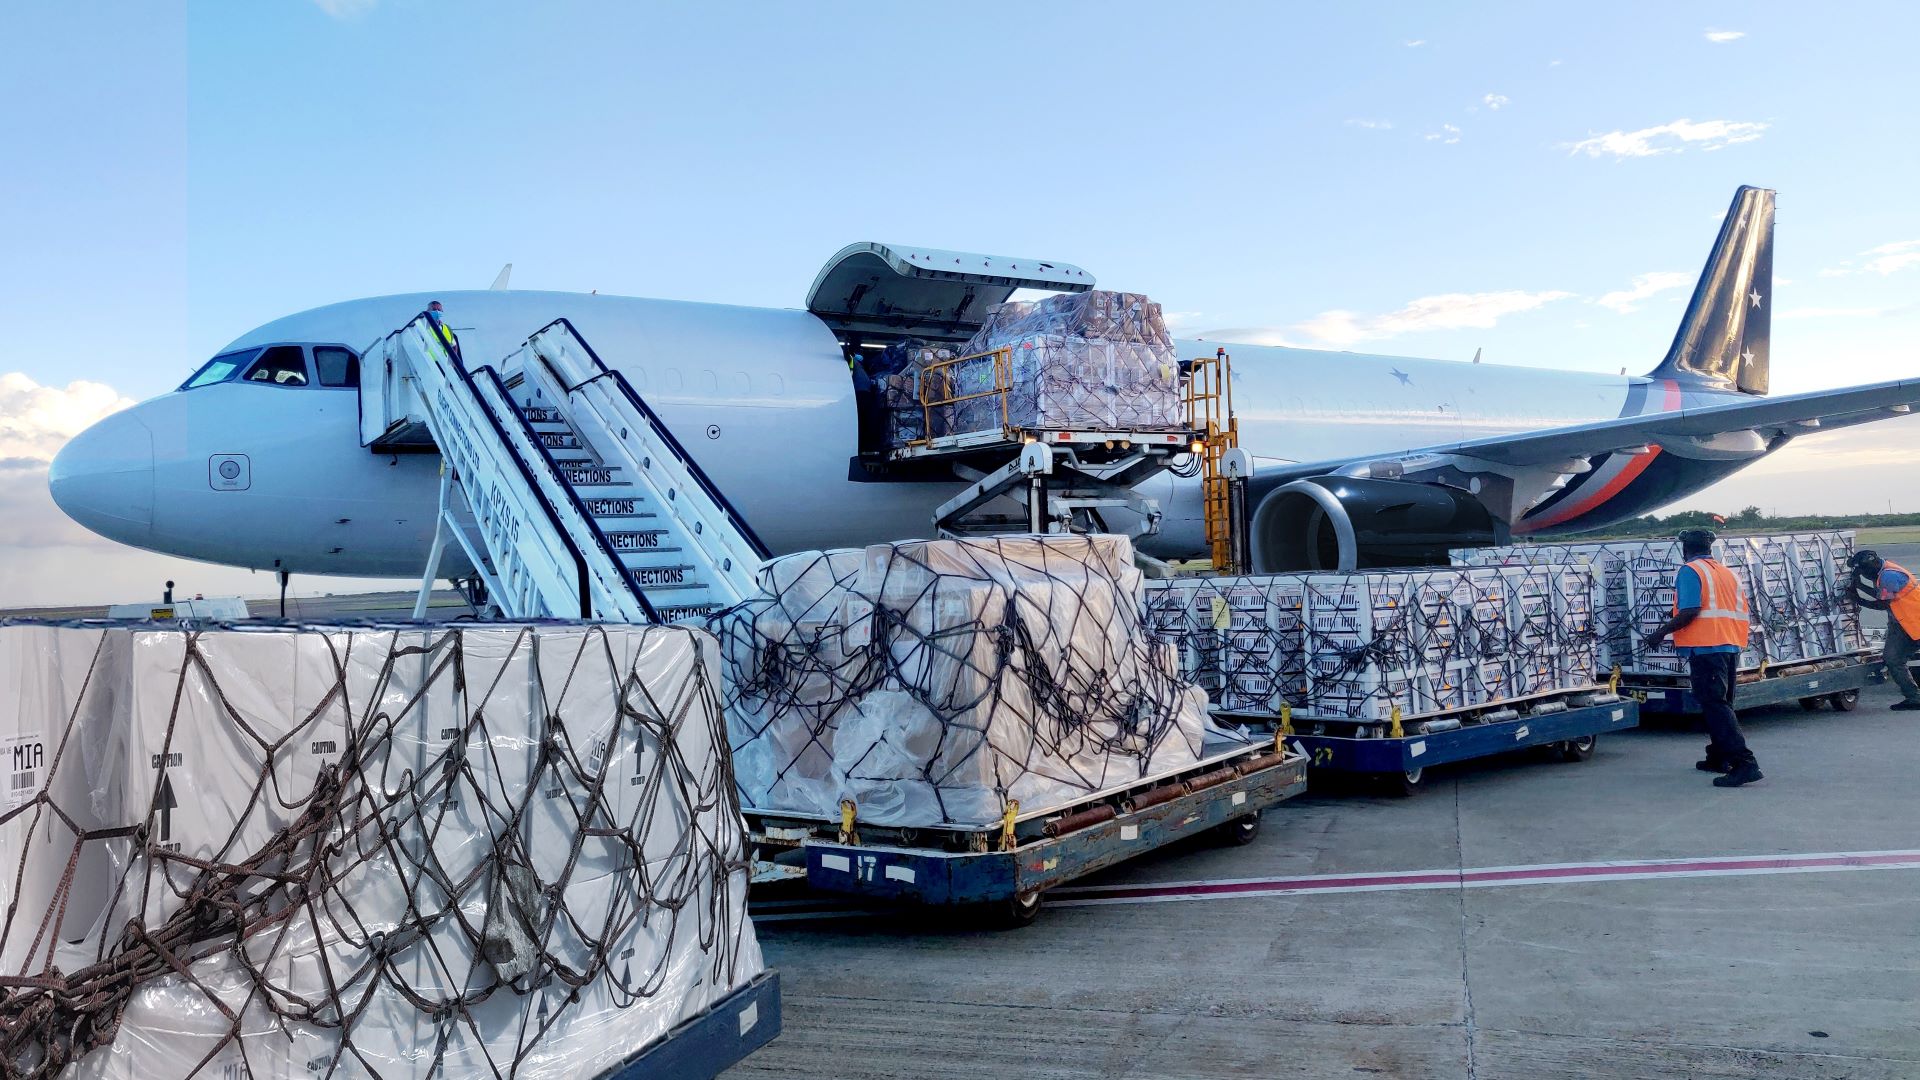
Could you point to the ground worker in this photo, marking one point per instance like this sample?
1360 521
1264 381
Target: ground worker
1709 628
1889 587
437 318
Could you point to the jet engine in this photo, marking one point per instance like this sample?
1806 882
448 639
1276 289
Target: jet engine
1348 523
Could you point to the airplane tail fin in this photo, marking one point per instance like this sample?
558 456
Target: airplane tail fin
1724 339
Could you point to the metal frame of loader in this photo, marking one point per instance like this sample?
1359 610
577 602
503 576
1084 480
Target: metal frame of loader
1835 682
1002 871
1398 751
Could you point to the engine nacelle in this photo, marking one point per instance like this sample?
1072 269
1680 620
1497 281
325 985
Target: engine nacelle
1345 523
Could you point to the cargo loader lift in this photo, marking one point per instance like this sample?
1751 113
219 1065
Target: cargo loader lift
1835 682
561 486
1064 478
1397 752
1004 871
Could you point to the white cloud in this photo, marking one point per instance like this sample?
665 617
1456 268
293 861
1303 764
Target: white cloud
1494 101
1721 37
1416 43
1181 320
36 421
1669 138
1371 125
1627 300
1843 312
345 9
1447 135
1883 260
1449 311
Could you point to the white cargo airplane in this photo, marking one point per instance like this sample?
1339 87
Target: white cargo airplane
1363 460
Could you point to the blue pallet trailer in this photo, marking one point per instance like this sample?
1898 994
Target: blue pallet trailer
1003 872
1399 755
1834 684
713 1042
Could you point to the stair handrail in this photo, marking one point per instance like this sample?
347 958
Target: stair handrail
578 506
461 382
697 474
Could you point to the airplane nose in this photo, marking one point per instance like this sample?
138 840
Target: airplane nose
103 478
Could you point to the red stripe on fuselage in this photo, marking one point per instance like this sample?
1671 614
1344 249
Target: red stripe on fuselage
1670 402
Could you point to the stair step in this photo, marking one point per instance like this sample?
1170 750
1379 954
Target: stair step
617 506
541 414
685 611
651 578
580 476
646 540
560 440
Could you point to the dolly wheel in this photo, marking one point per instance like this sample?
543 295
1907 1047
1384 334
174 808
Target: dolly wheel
1403 784
1844 701
1241 830
1812 704
1579 749
1018 911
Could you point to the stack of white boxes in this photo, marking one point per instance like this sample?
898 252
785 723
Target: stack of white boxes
1359 646
1794 584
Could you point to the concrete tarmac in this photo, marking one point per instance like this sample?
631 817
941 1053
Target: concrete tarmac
1766 974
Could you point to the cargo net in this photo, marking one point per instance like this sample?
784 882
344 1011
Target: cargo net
1796 587
1094 360
482 852
933 683
1363 646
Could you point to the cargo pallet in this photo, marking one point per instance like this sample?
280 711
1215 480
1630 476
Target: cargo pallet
1835 682
713 1042
1004 871
1397 752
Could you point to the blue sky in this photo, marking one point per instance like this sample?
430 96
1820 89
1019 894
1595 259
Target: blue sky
1397 178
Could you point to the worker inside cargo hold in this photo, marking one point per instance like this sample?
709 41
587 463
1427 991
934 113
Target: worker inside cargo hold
1710 628
1887 586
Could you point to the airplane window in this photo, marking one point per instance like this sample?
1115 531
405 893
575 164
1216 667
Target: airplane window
282 365
219 369
336 366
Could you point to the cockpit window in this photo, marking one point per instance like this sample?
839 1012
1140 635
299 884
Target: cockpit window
220 368
282 365
336 366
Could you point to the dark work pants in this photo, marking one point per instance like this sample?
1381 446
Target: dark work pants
1900 650
1714 678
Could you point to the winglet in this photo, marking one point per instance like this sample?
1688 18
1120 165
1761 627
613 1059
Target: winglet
1724 339
500 283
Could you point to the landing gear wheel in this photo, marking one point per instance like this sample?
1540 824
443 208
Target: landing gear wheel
1844 701
1014 913
1812 704
1241 830
1579 749
1403 784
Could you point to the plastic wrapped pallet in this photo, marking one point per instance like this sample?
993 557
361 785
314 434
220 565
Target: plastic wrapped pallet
897 371
1098 359
1361 646
958 675
1797 605
400 852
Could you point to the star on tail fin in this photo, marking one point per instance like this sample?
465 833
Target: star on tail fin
1724 339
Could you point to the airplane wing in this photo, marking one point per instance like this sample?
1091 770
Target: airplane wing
1760 420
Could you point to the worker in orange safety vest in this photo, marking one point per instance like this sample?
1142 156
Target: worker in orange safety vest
1709 628
1889 587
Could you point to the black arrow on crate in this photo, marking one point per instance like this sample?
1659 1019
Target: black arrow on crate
166 806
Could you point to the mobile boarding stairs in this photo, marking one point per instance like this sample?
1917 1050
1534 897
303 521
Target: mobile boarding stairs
562 488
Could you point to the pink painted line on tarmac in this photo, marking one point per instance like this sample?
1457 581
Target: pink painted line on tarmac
1490 877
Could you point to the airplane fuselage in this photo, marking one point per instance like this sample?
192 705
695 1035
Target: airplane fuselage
763 400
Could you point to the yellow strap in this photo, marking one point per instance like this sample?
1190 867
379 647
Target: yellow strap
847 812
1006 824
1397 732
1286 723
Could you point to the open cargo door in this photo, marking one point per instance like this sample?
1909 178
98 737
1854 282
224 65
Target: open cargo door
878 293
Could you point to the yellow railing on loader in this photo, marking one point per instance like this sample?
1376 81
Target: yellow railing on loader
1210 416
